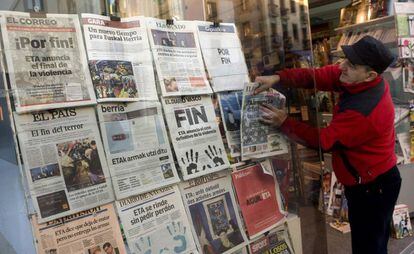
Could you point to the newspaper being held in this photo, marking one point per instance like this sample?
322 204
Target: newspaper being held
195 135
210 203
156 222
223 56
95 230
64 161
277 242
258 201
46 61
120 59
259 140
230 107
137 147
177 56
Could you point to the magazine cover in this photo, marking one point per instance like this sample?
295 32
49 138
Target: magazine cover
92 231
214 216
46 61
223 56
401 222
259 140
64 161
177 55
120 59
277 241
195 135
256 195
230 107
137 147
156 222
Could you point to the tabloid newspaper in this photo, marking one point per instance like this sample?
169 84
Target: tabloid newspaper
195 135
137 147
177 56
276 242
223 56
210 203
120 59
95 230
230 107
64 161
156 222
259 140
256 195
46 61
401 225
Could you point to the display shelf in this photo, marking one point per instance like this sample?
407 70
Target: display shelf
339 52
378 21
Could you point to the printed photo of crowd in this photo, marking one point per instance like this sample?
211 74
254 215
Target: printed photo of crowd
80 162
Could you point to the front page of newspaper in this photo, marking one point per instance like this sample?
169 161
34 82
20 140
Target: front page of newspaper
46 61
259 140
177 56
137 147
210 203
120 59
64 161
223 56
230 107
95 230
195 135
156 222
277 241
258 201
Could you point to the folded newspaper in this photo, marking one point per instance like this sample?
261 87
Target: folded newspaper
64 161
156 222
259 140
137 147
46 61
120 59
277 241
210 203
95 230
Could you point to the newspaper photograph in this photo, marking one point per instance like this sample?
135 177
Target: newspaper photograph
137 147
195 135
178 60
256 193
210 203
223 56
259 140
92 231
64 161
46 61
156 222
230 109
120 60
276 242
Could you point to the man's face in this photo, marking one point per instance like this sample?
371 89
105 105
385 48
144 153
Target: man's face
353 74
109 250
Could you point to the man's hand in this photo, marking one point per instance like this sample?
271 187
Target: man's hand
272 115
265 82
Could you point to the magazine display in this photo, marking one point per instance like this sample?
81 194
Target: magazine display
401 224
120 59
404 15
90 231
215 219
256 195
259 140
46 61
64 161
230 107
195 135
176 51
276 242
156 222
223 56
137 147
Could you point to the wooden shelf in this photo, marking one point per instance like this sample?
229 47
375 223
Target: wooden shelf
387 44
382 20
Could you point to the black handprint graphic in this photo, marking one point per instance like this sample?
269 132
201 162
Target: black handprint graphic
214 155
192 160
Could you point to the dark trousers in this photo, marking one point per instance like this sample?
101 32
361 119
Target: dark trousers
370 208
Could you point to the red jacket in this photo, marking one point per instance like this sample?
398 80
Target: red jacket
362 126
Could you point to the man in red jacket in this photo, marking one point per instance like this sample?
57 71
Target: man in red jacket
361 136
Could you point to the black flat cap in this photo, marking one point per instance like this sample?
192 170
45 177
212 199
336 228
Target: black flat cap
371 52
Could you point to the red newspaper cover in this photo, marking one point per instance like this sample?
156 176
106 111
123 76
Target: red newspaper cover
256 193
